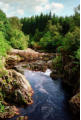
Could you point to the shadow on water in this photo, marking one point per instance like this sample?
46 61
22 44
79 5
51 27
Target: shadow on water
50 99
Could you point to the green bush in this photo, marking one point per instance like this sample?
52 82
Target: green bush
4 48
77 54
71 42
4 45
5 25
2 108
19 40
45 41
57 63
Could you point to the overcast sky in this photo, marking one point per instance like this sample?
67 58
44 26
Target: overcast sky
23 8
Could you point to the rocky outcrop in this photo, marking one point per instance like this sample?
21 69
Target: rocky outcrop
18 89
10 111
31 55
75 104
34 60
12 60
69 71
28 54
15 89
38 65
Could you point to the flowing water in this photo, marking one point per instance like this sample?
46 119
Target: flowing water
50 99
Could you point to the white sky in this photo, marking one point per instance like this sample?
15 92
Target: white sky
23 8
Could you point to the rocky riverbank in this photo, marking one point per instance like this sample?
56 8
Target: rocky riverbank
15 90
70 80
14 84
30 59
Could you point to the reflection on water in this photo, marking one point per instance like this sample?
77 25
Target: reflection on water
49 98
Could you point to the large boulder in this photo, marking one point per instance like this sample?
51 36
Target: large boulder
12 60
16 88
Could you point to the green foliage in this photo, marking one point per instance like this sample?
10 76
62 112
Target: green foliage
15 23
19 40
35 22
53 32
57 63
54 29
10 30
77 54
37 35
71 41
2 16
3 71
45 41
77 16
4 45
4 25
52 38
2 107
1 94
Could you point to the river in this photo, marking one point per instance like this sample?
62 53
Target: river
50 99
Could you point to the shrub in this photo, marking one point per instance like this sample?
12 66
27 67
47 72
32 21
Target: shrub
57 63
77 54
19 40
45 41
4 45
2 108
71 42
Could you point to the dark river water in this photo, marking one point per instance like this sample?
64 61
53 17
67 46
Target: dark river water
50 99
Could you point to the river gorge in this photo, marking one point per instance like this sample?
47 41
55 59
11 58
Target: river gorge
46 97
50 99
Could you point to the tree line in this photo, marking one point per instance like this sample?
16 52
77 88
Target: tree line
48 31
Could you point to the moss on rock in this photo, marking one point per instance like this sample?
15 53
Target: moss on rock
14 88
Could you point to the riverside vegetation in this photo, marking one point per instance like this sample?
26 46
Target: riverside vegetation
44 33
